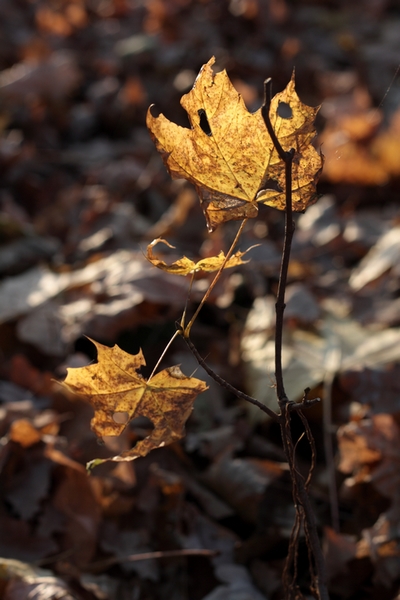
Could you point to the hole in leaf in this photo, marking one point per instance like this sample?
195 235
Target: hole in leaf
284 111
269 184
204 124
121 417
141 427
142 423
272 184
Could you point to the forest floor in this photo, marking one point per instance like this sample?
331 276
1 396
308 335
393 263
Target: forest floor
83 191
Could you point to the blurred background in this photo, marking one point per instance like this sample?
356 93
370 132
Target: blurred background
82 193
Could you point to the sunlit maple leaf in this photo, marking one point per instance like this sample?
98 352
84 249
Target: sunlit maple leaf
119 394
185 266
228 153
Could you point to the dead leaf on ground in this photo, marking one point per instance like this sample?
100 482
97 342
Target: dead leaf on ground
24 432
20 541
242 482
306 354
55 77
370 451
28 484
123 544
381 542
236 584
379 388
339 550
119 393
20 580
80 511
228 153
185 266
384 255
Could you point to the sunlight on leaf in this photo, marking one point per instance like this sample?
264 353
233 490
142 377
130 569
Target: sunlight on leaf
185 266
228 154
113 386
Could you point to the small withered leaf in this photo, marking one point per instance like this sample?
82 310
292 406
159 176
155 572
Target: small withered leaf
185 266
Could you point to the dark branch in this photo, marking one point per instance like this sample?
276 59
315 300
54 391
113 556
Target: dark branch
304 510
227 385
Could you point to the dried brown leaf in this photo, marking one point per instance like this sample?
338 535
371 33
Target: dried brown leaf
228 153
185 266
119 394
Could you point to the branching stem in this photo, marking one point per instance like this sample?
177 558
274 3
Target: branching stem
305 517
301 498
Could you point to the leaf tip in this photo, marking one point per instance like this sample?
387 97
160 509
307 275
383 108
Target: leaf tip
94 463
153 111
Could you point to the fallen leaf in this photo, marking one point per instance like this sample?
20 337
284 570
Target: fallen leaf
236 584
379 388
384 255
306 354
24 432
381 541
20 580
228 153
241 482
119 394
80 511
370 451
185 266
56 78
126 543
386 146
28 486
355 452
339 550
20 541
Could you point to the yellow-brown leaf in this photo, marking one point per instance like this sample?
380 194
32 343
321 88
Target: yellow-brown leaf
118 392
185 266
234 164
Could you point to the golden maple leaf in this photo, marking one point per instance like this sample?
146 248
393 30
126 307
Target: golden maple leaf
185 266
118 392
228 153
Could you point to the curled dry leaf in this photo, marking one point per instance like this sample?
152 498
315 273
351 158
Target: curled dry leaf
119 394
228 153
185 266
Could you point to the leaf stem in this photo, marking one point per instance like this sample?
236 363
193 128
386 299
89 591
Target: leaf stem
224 383
216 278
162 355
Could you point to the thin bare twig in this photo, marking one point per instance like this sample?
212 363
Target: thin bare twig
287 157
108 562
305 513
216 278
162 355
223 383
310 439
